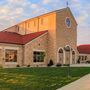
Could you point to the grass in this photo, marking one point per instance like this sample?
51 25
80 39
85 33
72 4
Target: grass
38 78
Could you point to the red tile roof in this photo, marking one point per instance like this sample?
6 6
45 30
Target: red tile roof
14 38
84 49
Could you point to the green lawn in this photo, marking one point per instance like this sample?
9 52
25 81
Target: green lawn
38 78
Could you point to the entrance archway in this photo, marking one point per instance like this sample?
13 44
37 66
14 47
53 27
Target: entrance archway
67 54
61 56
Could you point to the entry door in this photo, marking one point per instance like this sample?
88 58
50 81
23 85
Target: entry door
0 57
61 58
67 59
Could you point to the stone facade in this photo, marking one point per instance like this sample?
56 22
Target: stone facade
66 35
58 37
39 44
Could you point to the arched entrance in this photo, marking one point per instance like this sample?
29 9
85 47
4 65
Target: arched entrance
60 56
73 57
67 54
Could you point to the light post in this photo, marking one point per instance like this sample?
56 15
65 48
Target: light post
67 49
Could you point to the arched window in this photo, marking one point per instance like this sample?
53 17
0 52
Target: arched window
60 51
60 56
73 52
67 48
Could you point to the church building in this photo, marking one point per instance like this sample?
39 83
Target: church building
37 41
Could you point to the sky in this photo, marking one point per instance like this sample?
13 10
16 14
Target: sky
15 11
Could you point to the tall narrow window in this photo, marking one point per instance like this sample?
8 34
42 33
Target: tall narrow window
85 57
82 58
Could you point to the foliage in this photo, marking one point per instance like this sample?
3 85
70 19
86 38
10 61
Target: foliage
18 65
50 63
58 64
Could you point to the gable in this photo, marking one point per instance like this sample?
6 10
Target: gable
66 12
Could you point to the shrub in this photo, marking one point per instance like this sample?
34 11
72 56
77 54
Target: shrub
50 63
18 65
65 64
58 65
28 65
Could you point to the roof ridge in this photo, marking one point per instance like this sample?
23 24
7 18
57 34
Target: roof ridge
35 32
14 38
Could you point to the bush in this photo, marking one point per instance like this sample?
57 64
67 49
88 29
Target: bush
58 65
18 65
50 63
88 62
65 64
28 65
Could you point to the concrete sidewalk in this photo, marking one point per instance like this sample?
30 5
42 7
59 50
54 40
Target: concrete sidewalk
81 84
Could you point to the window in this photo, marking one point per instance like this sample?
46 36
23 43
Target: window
60 51
73 52
10 55
82 58
85 57
38 56
68 22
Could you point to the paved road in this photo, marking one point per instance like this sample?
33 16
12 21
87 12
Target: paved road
81 84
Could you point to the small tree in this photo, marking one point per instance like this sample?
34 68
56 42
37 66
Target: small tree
50 63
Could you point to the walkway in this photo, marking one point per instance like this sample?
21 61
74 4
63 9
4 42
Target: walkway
80 65
81 84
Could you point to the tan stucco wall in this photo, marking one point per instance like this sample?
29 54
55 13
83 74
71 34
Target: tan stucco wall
14 28
40 23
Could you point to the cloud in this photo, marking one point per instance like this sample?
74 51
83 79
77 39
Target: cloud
84 35
14 11
82 18
9 14
81 10
18 2
47 1
51 1
34 6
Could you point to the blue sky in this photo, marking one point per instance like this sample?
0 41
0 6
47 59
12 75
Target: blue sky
14 11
